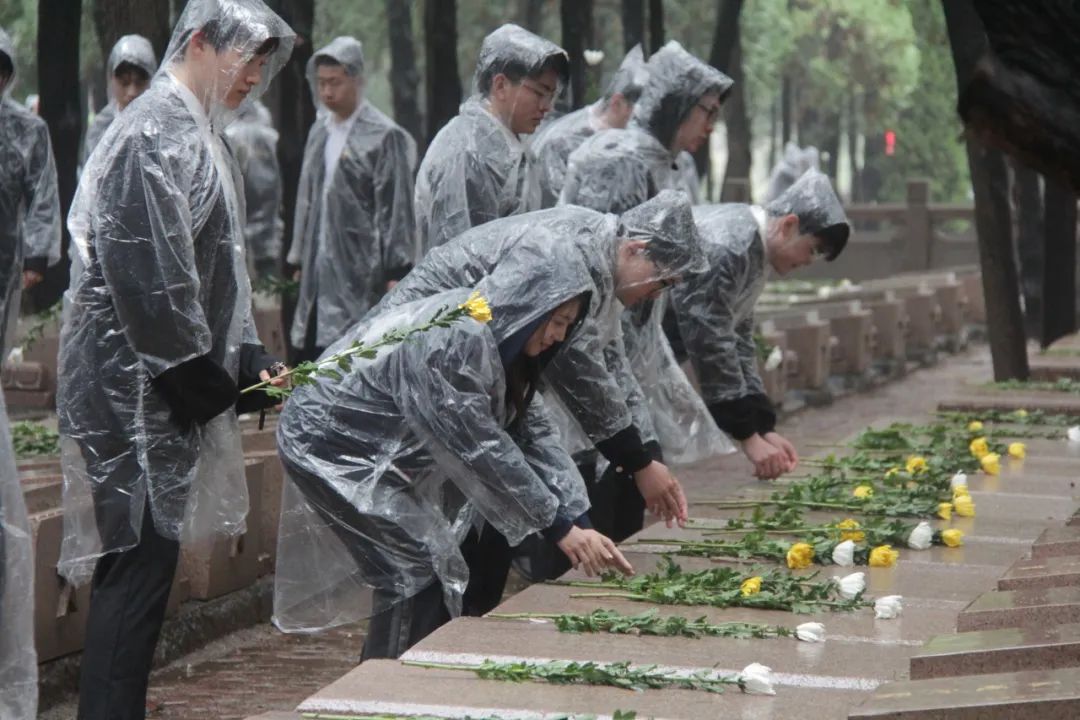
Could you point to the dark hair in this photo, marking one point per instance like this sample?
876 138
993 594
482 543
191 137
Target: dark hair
7 68
326 61
517 70
220 36
833 239
126 67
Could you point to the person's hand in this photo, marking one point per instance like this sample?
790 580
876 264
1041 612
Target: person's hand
277 381
769 460
593 553
296 275
30 278
390 285
784 445
662 492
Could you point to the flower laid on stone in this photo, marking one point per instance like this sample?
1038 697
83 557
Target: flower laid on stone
961 491
921 537
810 632
945 510
1073 434
800 556
979 447
850 530
883 556
892 472
960 479
963 506
844 554
1021 413
1017 450
991 463
863 492
750 586
952 537
975 426
617 674
652 623
851 586
722 587
888 607
915 465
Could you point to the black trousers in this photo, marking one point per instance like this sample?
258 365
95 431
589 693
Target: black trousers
617 508
128 595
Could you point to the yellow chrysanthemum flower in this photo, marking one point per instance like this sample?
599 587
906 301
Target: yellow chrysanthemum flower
975 426
960 491
964 506
849 530
750 586
944 510
477 307
801 555
883 556
979 447
1021 413
1017 450
863 492
991 463
952 537
915 464
891 472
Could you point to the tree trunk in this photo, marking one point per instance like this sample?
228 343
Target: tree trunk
1030 240
531 15
786 111
853 142
441 78
290 102
725 35
633 24
58 82
1059 280
656 25
1001 287
150 18
739 139
577 36
404 78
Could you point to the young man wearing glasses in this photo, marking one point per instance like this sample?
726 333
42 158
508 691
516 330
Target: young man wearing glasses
715 309
477 169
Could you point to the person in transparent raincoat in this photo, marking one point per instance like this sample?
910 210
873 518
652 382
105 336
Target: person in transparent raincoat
157 339
253 141
616 169
795 162
394 468
715 310
354 235
29 202
590 383
555 141
687 178
18 658
477 168
131 65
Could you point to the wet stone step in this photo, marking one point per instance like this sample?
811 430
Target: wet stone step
1036 695
1030 574
998 651
1017 608
1057 542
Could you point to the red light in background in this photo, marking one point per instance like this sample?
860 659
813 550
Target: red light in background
890 142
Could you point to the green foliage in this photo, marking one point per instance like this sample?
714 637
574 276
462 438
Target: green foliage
276 286
38 322
31 439
1064 384
652 623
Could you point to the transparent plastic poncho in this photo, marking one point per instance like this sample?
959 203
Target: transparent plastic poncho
715 310
157 224
253 141
390 467
29 203
353 232
616 169
134 50
18 658
476 169
792 165
553 145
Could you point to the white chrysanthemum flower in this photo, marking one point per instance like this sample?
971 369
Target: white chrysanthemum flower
757 680
921 537
959 479
888 607
776 356
813 632
844 553
851 585
1073 433
593 57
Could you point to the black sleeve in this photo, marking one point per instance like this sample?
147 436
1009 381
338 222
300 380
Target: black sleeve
398 273
625 450
742 417
253 360
36 264
197 390
558 530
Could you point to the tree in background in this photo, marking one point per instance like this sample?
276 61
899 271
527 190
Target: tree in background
989 179
404 78
150 18
633 22
443 82
577 36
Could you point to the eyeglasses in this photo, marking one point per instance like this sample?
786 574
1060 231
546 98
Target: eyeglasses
712 112
544 94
